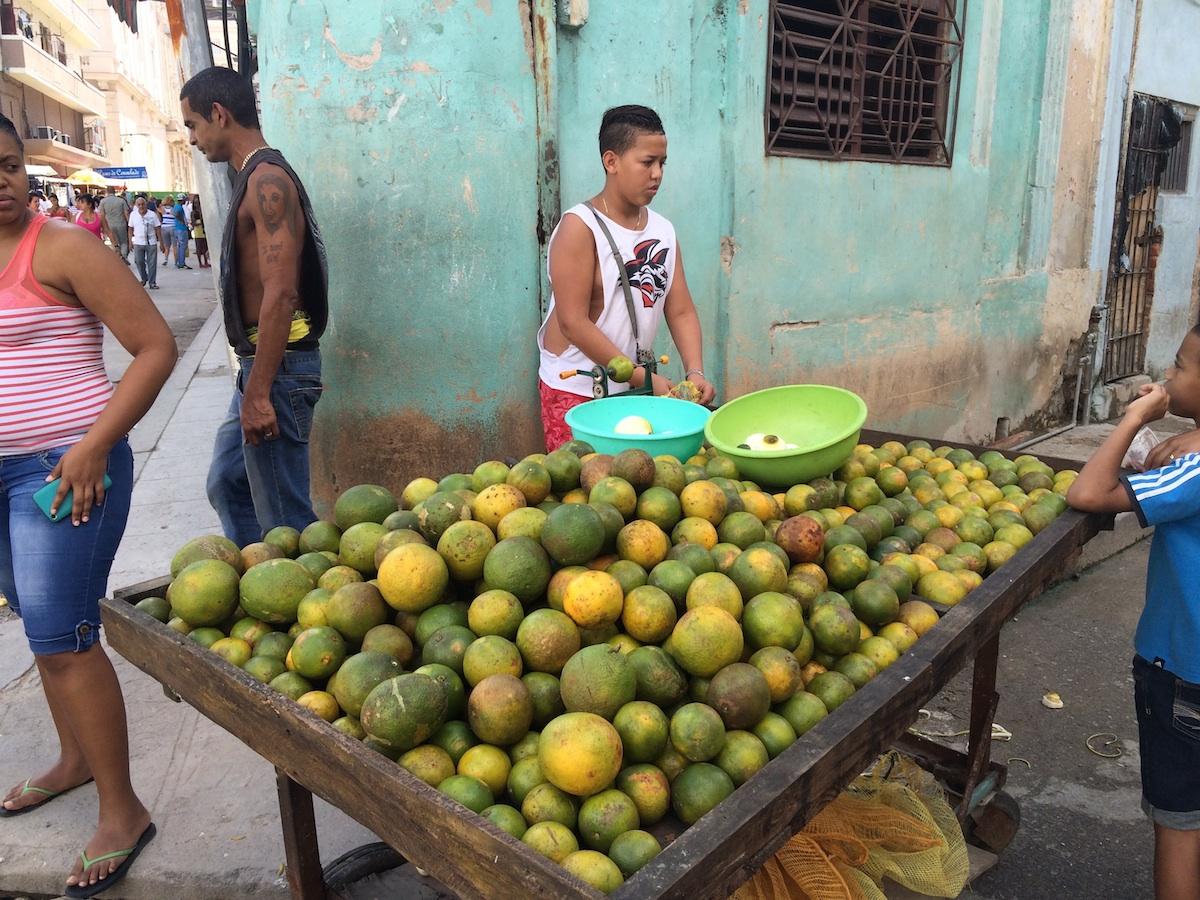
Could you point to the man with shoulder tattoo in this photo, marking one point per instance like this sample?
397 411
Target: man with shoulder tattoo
274 294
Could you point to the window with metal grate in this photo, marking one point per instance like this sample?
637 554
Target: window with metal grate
864 79
1175 175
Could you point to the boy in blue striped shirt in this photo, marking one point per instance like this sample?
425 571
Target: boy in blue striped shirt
1166 667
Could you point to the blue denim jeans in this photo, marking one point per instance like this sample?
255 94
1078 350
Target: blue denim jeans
145 258
254 489
54 573
181 243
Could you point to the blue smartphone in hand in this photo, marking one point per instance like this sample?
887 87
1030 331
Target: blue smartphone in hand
44 497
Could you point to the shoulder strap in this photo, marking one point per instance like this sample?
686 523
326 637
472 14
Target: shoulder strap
625 285
22 258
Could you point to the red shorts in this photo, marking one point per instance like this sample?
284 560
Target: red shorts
555 404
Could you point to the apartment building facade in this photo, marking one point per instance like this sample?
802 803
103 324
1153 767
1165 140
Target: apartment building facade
43 87
90 87
139 76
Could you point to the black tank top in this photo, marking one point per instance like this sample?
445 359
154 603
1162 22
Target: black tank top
314 268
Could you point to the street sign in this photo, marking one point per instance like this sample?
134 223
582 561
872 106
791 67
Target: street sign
123 173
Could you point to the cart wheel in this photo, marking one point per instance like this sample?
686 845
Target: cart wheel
993 825
369 859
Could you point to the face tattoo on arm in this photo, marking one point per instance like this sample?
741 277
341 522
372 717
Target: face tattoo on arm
276 205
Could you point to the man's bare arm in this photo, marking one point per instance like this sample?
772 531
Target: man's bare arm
684 322
274 207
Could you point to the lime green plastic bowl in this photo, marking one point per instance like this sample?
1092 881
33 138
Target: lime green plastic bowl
678 425
823 421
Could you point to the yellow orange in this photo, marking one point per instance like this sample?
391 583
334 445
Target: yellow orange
704 500
593 599
918 615
644 543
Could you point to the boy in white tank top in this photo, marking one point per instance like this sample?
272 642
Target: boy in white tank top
588 322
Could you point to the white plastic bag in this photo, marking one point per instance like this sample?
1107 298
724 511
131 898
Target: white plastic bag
1143 442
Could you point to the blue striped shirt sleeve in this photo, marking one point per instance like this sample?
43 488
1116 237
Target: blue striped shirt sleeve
1167 494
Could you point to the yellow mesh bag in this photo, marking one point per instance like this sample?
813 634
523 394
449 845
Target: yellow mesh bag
891 822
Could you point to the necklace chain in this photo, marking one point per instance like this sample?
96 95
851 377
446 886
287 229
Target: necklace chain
249 155
637 225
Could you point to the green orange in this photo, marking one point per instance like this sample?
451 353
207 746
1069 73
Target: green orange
705 640
697 789
847 565
648 614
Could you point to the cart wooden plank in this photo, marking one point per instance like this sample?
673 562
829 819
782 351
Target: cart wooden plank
431 830
733 841
711 858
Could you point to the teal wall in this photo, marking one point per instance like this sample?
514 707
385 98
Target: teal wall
414 132
418 134
913 274
672 61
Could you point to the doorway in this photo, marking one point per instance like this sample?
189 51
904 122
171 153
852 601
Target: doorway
1154 128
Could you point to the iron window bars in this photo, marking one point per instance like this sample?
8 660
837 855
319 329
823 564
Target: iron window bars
864 79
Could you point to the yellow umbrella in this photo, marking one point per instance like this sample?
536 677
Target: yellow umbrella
89 177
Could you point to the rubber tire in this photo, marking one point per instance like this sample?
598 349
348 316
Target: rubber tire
361 862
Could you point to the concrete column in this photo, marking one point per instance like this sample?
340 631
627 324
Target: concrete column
213 180
1045 169
545 75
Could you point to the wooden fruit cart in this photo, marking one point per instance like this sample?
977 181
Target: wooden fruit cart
725 848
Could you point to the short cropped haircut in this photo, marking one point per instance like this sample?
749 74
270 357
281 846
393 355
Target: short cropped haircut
7 126
225 86
622 125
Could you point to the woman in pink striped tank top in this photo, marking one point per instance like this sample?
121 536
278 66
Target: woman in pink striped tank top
60 418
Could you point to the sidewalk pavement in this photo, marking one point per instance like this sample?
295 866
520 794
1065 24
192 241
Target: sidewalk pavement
214 800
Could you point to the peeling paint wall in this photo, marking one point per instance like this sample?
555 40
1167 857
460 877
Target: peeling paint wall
945 296
679 66
1075 283
413 127
916 276
915 286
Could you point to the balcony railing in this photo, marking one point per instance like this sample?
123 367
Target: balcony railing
29 64
64 17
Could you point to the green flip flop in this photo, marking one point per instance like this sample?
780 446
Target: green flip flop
80 891
34 789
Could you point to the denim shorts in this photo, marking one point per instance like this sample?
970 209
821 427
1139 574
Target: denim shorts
54 573
1168 713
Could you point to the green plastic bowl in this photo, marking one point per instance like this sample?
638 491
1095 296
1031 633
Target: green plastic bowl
678 425
823 421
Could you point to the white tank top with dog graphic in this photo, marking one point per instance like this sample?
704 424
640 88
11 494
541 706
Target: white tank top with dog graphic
649 259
